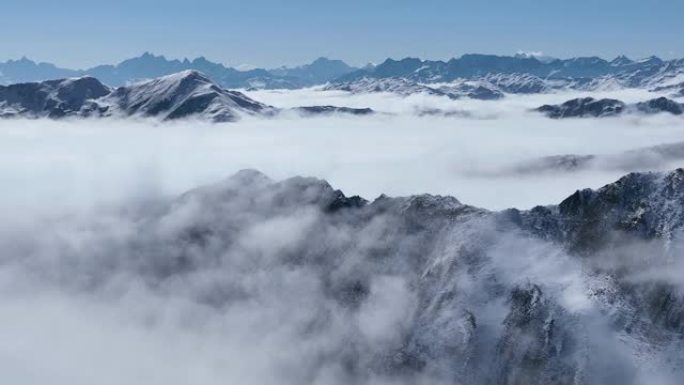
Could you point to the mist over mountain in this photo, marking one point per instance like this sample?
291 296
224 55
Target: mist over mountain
454 248
342 193
590 107
419 289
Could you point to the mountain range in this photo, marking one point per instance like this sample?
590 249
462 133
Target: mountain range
191 94
584 292
148 66
186 94
537 74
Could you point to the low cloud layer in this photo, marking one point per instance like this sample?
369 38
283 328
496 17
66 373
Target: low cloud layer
398 154
107 276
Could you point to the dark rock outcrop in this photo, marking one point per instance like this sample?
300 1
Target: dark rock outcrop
585 107
52 99
661 104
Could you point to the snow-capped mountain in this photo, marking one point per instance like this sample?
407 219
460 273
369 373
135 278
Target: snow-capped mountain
398 86
181 95
535 73
520 83
186 94
494 86
53 98
478 66
177 96
528 74
584 292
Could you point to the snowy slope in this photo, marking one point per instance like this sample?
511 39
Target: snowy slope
184 94
54 98
420 289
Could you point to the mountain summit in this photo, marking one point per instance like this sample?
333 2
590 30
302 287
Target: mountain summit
181 95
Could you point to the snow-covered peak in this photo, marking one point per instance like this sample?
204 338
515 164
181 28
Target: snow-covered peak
180 95
183 94
52 98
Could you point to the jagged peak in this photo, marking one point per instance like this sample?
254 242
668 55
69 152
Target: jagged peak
622 60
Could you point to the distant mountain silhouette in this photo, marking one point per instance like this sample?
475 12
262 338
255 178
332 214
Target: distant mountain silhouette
528 73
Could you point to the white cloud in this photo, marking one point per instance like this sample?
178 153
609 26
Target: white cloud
47 163
76 305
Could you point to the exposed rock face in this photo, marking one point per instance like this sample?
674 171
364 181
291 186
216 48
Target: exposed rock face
585 107
397 86
646 205
518 83
590 107
626 229
474 90
660 105
543 296
187 94
181 95
53 99
535 347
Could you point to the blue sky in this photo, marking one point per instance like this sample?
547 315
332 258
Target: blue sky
80 33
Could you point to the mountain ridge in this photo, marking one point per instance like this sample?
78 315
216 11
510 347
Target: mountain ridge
571 293
185 94
148 66
323 70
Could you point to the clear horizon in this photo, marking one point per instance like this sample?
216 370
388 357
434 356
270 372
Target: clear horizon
247 66
269 34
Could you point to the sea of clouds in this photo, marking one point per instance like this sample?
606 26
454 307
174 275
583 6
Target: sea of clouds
78 303
394 152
